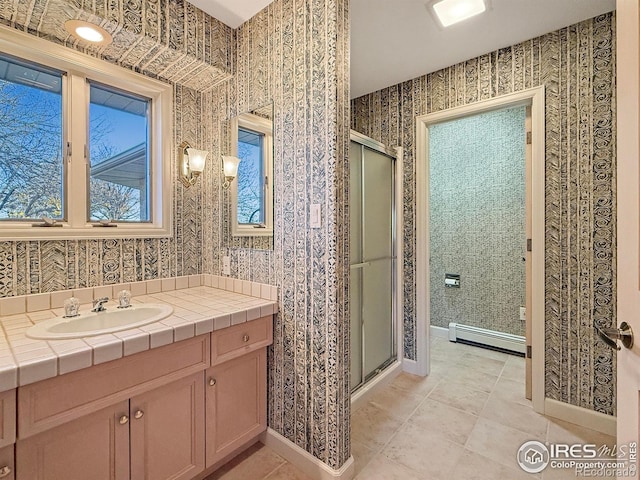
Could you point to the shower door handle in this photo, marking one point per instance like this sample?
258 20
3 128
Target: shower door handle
359 265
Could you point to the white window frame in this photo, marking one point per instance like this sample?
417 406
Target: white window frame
264 126
79 68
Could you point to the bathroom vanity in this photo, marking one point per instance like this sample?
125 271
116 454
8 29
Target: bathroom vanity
176 411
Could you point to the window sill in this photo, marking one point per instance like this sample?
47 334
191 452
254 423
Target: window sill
9 233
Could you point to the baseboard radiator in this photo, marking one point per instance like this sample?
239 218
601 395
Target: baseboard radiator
488 338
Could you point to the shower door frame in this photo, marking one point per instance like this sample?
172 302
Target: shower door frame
397 264
533 97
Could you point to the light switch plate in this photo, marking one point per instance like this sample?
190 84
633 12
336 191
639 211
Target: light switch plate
523 313
316 216
226 265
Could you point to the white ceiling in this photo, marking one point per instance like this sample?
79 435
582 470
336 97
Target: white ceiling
232 12
397 40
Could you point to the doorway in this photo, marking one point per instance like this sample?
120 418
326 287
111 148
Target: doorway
373 259
533 249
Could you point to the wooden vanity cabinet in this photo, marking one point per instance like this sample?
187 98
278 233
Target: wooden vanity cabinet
94 446
236 404
158 435
164 414
236 391
167 431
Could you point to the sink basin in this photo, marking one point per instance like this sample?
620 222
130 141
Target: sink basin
97 323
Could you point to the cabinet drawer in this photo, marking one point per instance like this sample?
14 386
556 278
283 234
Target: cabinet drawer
7 418
55 401
238 340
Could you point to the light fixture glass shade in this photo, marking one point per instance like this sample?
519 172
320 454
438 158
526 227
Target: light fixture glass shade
230 166
454 11
197 159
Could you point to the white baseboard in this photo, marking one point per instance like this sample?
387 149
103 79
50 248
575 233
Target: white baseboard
313 467
439 332
580 416
364 394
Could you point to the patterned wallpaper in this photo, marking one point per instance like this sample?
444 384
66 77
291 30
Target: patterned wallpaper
477 220
43 266
294 52
167 39
577 66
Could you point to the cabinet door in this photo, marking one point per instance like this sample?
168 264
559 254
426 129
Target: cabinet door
236 403
94 447
7 467
167 431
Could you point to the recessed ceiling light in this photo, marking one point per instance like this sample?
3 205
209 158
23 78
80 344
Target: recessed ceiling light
454 11
88 31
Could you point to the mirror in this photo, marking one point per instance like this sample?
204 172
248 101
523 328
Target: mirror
248 202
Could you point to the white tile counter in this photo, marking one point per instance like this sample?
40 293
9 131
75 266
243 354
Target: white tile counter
196 310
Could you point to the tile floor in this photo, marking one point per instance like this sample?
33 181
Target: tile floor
466 420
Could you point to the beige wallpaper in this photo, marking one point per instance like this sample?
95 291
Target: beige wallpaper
577 66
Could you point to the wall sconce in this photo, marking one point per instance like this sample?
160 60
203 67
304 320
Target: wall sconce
230 167
191 163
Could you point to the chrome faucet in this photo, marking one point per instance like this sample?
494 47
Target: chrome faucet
98 304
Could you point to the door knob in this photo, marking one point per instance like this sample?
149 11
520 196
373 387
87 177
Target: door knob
123 420
611 335
5 471
139 414
212 381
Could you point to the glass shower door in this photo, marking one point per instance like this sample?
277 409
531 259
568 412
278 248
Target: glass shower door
372 262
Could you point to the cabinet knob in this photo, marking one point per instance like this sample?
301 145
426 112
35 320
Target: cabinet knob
212 381
245 338
139 414
123 420
5 471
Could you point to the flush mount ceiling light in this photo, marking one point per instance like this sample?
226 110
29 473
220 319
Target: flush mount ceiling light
88 31
454 11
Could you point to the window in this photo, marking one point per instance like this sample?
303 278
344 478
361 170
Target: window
82 145
252 190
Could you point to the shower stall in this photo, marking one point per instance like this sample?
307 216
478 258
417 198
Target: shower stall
373 258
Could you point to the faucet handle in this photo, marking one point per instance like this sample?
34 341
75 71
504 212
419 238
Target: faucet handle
124 299
71 307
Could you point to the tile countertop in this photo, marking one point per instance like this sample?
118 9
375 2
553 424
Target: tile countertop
196 311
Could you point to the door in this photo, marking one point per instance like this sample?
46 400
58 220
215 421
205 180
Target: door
372 258
236 399
628 178
167 431
94 447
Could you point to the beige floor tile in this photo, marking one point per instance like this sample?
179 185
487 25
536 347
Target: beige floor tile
373 427
497 442
512 391
416 384
424 452
472 378
476 467
460 396
287 472
448 422
382 468
517 416
485 352
256 463
397 403
487 365
565 432
514 371
362 455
